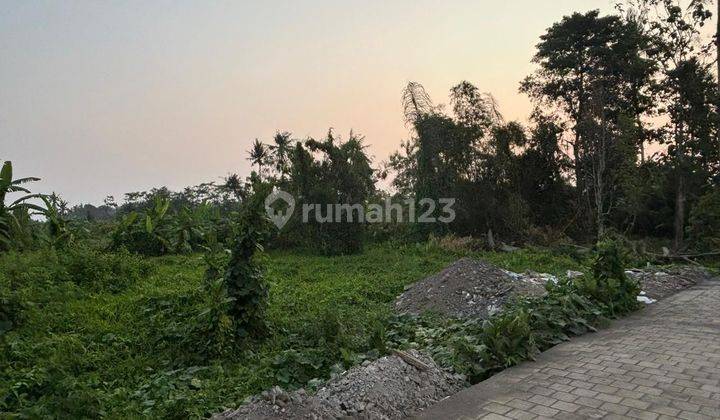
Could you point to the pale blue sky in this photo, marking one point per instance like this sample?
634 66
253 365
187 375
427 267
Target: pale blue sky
106 97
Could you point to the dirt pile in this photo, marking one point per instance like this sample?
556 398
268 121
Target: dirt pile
659 283
467 288
387 388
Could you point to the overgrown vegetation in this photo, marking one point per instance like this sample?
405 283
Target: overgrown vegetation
110 334
105 334
167 304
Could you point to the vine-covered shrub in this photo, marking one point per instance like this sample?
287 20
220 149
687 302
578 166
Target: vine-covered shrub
244 274
331 173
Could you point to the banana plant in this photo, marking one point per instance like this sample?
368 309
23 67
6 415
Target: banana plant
188 229
122 230
7 217
154 222
59 233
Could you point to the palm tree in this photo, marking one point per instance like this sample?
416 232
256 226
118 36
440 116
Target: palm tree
234 185
258 155
7 217
281 151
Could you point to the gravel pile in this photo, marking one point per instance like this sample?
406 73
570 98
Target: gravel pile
387 388
659 283
467 288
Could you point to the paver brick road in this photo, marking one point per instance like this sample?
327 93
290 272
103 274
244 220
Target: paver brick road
661 363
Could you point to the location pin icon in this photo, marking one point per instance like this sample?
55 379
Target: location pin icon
280 219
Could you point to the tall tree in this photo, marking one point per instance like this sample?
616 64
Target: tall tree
416 102
687 90
281 150
258 155
332 172
582 60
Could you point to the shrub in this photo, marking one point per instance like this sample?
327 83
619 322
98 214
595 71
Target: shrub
195 327
609 286
509 339
104 271
86 267
705 221
10 306
147 234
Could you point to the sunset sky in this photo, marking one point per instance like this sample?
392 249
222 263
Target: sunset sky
106 97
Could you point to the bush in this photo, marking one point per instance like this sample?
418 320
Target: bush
609 286
705 221
92 269
103 271
10 306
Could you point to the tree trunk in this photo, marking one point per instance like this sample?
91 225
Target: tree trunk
679 223
599 206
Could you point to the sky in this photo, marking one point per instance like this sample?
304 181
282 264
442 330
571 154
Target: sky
105 97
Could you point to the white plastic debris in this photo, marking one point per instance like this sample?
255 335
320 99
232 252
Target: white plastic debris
646 300
533 277
574 274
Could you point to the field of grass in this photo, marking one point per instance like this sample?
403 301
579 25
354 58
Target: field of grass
100 335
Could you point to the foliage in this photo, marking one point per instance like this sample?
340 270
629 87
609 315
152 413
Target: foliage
259 155
341 176
246 289
705 221
59 234
160 231
150 348
609 285
147 234
10 213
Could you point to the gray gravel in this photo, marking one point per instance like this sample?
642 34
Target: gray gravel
658 283
467 288
387 388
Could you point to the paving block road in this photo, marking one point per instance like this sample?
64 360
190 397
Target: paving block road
660 363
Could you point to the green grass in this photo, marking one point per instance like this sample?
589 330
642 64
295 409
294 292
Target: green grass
83 351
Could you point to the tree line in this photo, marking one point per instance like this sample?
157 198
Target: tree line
623 139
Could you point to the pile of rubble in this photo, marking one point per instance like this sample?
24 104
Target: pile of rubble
467 288
390 387
658 283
